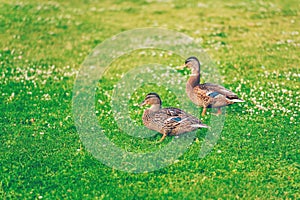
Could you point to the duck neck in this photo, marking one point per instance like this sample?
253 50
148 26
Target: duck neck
194 78
155 107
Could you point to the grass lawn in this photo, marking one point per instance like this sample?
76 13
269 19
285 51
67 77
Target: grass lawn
255 46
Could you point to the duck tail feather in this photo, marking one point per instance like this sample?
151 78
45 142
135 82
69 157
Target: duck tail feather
199 126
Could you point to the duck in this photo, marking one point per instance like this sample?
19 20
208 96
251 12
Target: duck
207 95
167 121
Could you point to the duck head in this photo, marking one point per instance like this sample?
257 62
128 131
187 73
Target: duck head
152 99
193 64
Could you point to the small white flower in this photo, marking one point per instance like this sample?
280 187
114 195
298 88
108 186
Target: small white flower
46 97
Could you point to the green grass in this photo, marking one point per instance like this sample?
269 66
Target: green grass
255 45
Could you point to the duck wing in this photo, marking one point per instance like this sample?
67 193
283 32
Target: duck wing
177 116
173 115
167 114
172 111
213 90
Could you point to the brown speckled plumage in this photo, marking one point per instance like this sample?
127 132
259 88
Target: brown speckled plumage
168 121
207 95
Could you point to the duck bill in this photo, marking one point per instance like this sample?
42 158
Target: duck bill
142 104
181 67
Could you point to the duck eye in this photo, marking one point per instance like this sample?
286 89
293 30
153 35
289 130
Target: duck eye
188 60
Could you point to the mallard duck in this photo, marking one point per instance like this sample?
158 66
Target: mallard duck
168 121
207 95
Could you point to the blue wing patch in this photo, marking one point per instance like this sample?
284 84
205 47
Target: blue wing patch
177 119
213 94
